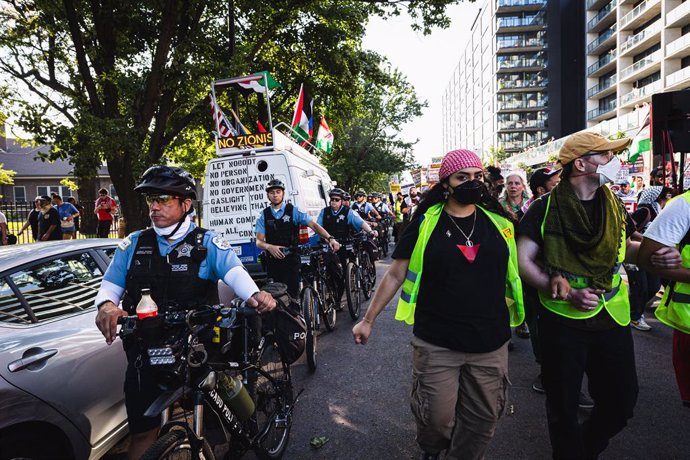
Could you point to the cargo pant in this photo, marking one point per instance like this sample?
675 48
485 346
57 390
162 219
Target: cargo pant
457 398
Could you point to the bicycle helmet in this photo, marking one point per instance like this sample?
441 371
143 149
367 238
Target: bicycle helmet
347 197
275 183
360 193
170 179
340 193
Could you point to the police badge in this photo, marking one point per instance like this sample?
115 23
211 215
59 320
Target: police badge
184 250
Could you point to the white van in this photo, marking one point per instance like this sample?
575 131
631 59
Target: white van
235 196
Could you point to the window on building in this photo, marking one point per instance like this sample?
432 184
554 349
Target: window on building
59 189
19 192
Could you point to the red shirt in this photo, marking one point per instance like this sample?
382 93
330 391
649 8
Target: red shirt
105 213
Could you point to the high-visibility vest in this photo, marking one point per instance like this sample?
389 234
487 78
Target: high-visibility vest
398 212
615 301
410 288
674 309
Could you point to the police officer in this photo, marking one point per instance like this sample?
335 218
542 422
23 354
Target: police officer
338 219
277 233
347 199
181 264
362 207
380 206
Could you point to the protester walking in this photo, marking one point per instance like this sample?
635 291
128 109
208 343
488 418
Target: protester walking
671 229
578 235
49 221
459 238
105 210
32 219
67 213
71 200
515 194
399 207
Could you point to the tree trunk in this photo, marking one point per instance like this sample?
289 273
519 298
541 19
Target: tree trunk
87 194
133 207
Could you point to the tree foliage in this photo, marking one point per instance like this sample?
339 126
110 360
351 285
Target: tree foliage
125 82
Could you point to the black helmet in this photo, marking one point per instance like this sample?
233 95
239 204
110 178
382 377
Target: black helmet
375 195
347 197
275 183
360 193
168 179
340 193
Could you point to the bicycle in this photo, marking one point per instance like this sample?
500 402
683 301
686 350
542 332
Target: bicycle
353 278
316 297
367 267
188 363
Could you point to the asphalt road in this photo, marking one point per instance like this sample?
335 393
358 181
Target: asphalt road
357 398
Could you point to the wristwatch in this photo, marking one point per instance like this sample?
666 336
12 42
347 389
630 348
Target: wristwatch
330 238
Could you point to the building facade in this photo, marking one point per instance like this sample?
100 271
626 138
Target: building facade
634 49
516 83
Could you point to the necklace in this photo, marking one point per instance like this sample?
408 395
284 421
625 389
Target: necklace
469 242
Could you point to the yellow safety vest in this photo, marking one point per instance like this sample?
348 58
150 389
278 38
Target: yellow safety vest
674 310
398 212
615 301
410 288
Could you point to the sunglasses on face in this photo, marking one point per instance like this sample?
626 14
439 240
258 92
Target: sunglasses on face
160 199
335 199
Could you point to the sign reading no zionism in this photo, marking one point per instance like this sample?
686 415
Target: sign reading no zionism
245 141
235 197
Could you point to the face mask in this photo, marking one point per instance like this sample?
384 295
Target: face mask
609 171
469 192
179 233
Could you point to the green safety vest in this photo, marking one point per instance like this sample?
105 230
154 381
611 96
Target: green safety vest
410 287
398 212
674 309
615 301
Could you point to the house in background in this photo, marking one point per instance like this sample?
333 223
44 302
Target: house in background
37 177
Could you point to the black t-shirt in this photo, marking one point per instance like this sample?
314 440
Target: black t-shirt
33 222
530 226
461 306
46 220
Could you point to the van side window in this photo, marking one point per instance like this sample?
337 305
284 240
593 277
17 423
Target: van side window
322 192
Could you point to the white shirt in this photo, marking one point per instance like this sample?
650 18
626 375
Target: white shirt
672 224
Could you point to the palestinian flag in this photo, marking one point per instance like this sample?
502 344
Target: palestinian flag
641 142
302 121
256 83
324 138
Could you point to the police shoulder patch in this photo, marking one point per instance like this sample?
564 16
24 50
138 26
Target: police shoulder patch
124 243
221 243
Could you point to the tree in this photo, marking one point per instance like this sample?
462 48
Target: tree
125 82
496 155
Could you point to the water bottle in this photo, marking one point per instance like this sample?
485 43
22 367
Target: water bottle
146 308
235 395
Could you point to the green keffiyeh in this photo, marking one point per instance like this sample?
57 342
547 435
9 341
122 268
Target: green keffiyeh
575 245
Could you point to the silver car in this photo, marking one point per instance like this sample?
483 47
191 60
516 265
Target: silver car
61 386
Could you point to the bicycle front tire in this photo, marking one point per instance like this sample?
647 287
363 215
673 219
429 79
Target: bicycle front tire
310 310
174 445
353 289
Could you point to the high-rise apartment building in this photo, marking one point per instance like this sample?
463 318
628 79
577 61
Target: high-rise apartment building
634 49
516 84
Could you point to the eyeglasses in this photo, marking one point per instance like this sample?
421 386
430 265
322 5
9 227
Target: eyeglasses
160 199
336 199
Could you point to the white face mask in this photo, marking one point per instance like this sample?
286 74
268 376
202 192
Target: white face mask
163 231
609 171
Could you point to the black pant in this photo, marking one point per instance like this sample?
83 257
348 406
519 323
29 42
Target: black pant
608 358
643 287
103 228
336 264
532 306
285 271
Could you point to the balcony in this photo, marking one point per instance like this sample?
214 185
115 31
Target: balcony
642 68
603 89
648 36
603 41
513 45
638 94
505 86
602 112
679 48
508 6
678 80
595 4
521 64
515 106
603 65
521 125
640 14
679 16
604 18
536 22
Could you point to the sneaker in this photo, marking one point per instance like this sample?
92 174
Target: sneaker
522 331
641 324
585 402
537 385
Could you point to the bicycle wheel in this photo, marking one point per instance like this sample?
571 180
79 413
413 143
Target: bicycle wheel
352 288
272 392
174 445
327 305
309 311
365 270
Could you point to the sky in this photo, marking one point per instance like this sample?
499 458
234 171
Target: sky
428 62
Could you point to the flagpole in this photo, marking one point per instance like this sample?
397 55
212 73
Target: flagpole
268 104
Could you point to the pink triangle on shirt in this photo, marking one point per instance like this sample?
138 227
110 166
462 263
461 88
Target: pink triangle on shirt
470 252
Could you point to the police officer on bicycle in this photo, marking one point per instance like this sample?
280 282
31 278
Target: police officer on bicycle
362 207
277 233
181 264
338 219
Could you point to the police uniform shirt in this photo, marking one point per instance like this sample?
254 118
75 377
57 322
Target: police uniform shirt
220 258
353 219
298 217
365 206
384 208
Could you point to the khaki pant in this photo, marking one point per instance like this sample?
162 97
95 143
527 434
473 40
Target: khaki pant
457 398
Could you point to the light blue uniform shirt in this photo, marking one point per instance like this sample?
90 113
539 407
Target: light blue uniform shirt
368 207
298 217
385 208
220 258
353 218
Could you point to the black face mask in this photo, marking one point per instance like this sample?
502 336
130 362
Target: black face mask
469 192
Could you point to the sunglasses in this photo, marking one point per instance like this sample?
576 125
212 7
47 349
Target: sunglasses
160 199
336 199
